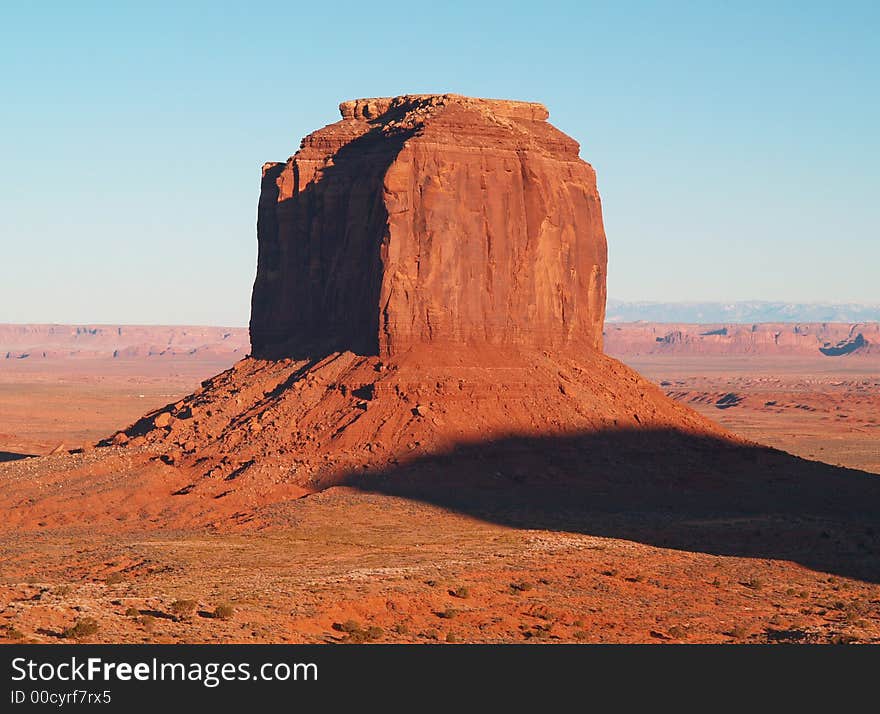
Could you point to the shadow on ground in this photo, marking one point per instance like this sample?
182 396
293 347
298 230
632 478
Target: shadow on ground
660 487
13 456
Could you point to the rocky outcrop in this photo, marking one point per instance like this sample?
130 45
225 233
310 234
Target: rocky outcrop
429 219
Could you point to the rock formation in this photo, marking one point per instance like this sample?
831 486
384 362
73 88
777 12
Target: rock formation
429 219
431 274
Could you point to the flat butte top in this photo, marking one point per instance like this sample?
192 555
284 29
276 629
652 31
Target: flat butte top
373 108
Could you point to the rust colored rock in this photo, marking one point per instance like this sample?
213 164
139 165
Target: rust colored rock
162 419
434 266
429 219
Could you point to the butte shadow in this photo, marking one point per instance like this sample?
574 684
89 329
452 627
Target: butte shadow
661 487
14 456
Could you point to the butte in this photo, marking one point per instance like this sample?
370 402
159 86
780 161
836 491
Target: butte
431 277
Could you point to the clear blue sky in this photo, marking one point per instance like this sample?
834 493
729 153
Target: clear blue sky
737 147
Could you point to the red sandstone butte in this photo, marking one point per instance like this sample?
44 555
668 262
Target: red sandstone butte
429 219
431 274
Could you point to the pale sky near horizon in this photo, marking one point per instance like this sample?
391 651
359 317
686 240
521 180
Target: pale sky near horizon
736 148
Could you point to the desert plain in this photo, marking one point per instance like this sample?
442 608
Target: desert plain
621 563
424 436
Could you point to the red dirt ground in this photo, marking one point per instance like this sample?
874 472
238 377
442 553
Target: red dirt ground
390 558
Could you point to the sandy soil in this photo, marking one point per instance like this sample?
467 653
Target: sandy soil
823 409
351 564
71 402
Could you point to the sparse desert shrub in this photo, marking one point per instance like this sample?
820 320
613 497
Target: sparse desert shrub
62 590
401 629
447 614
582 635
536 633
739 632
82 628
371 633
462 591
541 612
114 579
356 633
678 632
431 634
843 639
183 608
147 622
348 626
753 583
611 572
223 612
13 634
452 638
521 586
132 612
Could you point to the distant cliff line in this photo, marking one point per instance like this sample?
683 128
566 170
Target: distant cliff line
807 339
779 339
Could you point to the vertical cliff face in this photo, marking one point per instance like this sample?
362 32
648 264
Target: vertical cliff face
432 219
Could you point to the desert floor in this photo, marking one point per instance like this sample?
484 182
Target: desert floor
346 565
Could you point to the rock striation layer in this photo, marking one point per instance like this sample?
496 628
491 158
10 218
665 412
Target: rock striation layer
429 219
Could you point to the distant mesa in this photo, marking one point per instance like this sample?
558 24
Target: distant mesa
809 340
39 342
